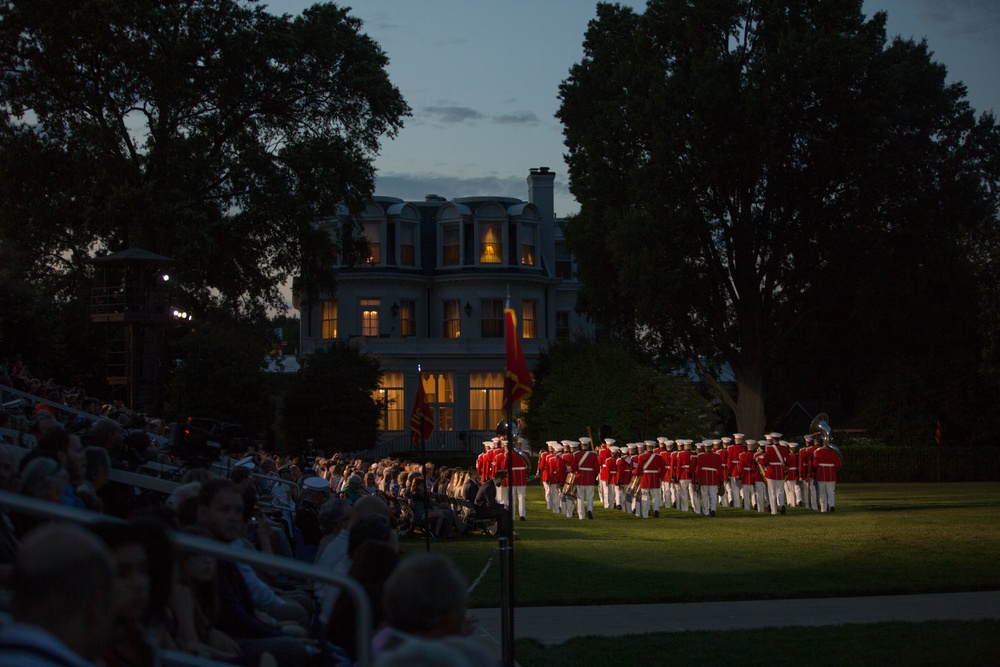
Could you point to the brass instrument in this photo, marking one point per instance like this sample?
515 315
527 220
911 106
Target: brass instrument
820 427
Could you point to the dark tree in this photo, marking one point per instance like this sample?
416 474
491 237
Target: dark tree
583 384
725 154
209 131
332 401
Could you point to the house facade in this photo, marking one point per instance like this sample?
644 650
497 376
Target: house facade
432 296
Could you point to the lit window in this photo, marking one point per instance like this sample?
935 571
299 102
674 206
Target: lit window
490 243
450 246
328 319
485 400
527 234
452 319
369 316
391 390
492 318
407 245
371 232
529 322
407 318
440 395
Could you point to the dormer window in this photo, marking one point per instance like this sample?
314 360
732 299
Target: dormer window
450 245
490 243
528 242
407 244
371 231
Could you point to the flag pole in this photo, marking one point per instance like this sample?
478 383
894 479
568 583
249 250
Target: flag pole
423 473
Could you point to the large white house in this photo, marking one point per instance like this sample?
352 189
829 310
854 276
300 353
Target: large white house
432 297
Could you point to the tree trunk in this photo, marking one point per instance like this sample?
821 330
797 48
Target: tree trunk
750 404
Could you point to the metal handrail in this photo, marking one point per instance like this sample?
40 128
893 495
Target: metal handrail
363 611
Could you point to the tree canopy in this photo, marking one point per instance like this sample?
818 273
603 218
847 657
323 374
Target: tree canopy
332 400
583 384
734 162
208 131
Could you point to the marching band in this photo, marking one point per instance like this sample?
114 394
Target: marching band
642 478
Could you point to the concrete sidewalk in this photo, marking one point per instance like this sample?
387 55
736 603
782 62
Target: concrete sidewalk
555 625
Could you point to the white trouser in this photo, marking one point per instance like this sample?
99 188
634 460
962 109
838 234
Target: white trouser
735 486
807 493
695 499
793 494
709 498
521 497
567 504
604 493
649 497
555 502
826 495
546 491
726 492
584 500
813 495
747 490
684 501
776 494
759 495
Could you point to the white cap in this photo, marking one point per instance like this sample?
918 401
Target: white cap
776 435
727 440
557 447
573 444
316 483
610 441
738 436
584 440
614 449
661 439
632 447
551 443
793 444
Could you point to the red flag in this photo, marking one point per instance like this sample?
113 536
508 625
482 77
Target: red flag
518 376
422 417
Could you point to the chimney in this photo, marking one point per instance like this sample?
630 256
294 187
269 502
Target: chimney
540 192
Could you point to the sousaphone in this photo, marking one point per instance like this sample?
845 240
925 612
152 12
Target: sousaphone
820 427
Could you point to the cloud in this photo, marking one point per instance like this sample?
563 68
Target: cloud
517 118
453 114
416 186
979 19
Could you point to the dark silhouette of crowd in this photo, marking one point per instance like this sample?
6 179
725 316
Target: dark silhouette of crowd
118 588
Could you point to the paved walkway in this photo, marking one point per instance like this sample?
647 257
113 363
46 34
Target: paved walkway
555 625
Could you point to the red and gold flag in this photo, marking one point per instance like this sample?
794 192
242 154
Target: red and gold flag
422 417
517 374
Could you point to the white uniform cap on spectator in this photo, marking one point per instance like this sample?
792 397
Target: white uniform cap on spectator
245 462
316 484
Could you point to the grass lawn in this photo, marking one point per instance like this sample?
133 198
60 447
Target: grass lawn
942 643
883 539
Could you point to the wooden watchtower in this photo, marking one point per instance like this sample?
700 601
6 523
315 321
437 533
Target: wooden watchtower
132 303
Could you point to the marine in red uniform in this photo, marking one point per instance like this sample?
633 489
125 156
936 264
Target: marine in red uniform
685 474
602 458
793 492
826 463
625 476
649 466
557 477
810 498
587 465
543 471
708 471
749 478
773 458
735 473
569 463
611 465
